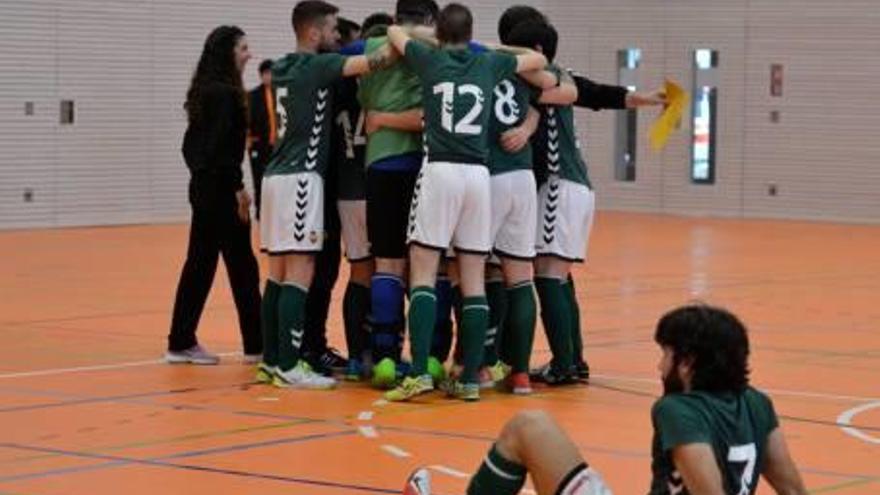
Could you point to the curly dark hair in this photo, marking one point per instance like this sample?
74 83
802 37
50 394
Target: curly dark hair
714 339
216 66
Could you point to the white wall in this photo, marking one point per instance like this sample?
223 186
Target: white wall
126 64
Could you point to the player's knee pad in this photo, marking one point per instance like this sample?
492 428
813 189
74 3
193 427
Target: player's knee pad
386 294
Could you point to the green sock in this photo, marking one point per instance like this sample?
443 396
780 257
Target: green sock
577 343
520 325
291 319
497 476
422 317
497 297
557 320
355 306
474 321
269 323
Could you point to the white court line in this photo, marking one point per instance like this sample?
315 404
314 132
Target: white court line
774 391
100 367
365 416
368 431
845 420
448 471
396 451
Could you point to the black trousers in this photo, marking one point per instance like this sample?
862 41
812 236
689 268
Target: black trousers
259 160
321 291
213 232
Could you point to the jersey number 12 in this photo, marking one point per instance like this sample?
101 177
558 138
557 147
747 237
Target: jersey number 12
466 125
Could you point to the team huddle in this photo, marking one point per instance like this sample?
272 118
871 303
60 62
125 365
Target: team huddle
461 187
470 155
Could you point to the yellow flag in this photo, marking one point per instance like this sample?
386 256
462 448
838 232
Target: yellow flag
670 120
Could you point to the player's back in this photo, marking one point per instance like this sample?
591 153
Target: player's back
735 425
457 86
304 102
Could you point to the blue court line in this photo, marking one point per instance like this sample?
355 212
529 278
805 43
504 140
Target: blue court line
162 462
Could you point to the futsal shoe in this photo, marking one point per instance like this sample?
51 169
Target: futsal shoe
302 376
194 355
582 370
265 373
551 376
418 483
519 383
411 386
469 392
355 370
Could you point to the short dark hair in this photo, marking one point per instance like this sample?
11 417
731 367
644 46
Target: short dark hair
714 340
535 35
308 12
347 28
516 15
265 65
416 11
455 24
376 19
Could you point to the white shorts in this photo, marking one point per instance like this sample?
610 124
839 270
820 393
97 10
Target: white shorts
292 213
514 214
353 216
584 481
451 207
565 219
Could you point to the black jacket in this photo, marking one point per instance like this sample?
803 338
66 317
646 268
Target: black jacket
599 96
259 121
213 147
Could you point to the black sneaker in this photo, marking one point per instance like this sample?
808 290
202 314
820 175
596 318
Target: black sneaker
552 376
582 370
317 363
331 358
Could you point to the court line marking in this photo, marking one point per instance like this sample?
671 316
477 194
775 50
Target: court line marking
122 461
368 431
99 367
774 391
396 451
448 471
845 422
116 461
365 416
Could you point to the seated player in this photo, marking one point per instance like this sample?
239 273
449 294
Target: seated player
714 434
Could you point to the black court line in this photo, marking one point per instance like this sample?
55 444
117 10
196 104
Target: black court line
118 461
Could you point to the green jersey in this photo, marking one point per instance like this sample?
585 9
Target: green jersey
304 102
736 426
510 107
395 89
557 150
457 87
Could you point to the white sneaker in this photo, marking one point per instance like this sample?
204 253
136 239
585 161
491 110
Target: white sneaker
302 376
194 355
419 483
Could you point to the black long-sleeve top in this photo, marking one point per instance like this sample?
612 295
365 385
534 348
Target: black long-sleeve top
597 96
213 147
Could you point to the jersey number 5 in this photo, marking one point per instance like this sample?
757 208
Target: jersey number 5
466 124
748 455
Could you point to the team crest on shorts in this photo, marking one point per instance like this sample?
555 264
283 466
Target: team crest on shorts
313 237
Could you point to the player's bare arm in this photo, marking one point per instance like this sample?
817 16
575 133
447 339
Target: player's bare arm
382 58
398 38
635 99
564 94
779 468
696 464
515 139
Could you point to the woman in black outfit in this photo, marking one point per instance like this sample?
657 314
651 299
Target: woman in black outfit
213 148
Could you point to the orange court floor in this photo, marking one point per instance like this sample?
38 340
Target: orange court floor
87 407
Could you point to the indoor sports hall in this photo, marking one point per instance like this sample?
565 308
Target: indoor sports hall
764 199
